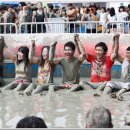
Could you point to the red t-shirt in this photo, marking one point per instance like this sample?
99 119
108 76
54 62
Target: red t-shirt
100 71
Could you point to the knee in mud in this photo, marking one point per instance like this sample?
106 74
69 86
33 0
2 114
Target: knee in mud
81 83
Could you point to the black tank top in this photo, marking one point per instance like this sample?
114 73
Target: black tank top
40 17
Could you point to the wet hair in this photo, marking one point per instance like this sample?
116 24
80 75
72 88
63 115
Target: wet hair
25 52
121 7
70 44
42 61
70 4
103 45
128 49
112 11
99 117
31 122
50 6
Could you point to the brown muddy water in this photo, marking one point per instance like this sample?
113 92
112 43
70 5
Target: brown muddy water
61 109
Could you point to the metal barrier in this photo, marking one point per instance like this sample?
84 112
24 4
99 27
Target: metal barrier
62 27
8 28
118 27
66 27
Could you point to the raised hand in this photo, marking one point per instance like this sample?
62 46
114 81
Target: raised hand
54 43
76 37
33 43
116 37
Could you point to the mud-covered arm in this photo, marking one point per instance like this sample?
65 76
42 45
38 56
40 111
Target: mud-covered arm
80 47
53 60
32 57
115 47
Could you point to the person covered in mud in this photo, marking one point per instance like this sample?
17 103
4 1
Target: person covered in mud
70 66
45 71
101 64
98 117
2 44
23 69
124 85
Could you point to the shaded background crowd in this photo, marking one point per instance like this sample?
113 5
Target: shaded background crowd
30 12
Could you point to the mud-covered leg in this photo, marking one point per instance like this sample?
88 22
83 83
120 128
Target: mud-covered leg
86 85
10 86
21 86
100 88
76 87
107 90
119 94
30 88
38 89
56 87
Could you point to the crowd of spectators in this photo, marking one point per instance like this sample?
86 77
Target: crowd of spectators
28 12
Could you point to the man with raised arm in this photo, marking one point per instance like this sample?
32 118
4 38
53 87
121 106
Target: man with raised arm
124 85
100 63
70 66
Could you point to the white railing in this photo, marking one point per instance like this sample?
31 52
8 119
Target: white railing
63 27
118 26
8 28
66 27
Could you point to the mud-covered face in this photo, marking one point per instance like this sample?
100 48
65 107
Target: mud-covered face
99 52
45 53
128 55
68 52
20 55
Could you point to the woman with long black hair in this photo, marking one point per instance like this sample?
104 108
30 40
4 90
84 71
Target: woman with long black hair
45 72
22 68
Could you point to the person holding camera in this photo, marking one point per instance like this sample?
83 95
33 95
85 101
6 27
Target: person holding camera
91 16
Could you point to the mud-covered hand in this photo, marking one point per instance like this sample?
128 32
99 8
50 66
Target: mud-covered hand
33 43
116 37
54 43
76 38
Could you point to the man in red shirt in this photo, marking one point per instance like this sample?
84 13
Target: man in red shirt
100 63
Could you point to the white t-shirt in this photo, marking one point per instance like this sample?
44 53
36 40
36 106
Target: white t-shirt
122 16
103 18
111 18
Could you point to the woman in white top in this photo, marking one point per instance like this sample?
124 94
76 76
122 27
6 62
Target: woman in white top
111 17
103 18
122 16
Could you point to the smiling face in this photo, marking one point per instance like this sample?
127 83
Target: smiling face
68 52
20 55
99 52
45 53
